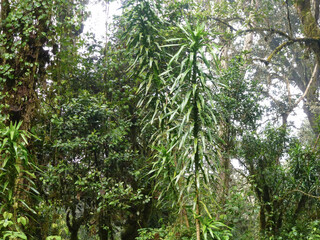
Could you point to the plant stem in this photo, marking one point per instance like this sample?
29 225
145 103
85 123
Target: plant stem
195 136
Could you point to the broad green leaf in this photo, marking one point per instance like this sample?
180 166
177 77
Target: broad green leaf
7 215
22 220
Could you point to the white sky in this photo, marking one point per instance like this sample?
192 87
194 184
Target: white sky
100 15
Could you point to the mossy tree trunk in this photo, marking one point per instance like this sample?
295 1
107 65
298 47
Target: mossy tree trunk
311 30
25 61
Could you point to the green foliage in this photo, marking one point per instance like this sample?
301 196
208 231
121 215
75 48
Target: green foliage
151 233
238 102
311 232
240 211
17 175
213 229
10 228
138 134
16 161
92 169
165 233
188 133
53 238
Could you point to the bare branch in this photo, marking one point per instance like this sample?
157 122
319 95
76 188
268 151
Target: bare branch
313 77
270 30
288 18
261 60
223 22
288 90
316 143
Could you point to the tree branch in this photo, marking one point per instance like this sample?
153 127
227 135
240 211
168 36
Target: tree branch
313 77
304 193
316 142
285 44
271 30
223 22
288 18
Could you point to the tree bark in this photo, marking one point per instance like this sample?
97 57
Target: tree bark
74 223
311 30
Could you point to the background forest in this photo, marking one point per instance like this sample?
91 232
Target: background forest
192 119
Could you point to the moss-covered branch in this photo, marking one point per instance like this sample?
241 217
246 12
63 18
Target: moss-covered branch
287 43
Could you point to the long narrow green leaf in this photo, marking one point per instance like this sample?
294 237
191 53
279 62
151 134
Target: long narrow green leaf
176 55
15 147
173 39
5 186
185 101
149 83
27 206
17 167
5 160
171 45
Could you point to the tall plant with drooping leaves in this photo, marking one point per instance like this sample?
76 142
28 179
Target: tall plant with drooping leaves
144 39
189 138
17 174
144 35
144 42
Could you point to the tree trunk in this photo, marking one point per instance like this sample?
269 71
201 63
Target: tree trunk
184 217
270 215
104 221
225 179
75 223
311 30
25 64
74 234
27 67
